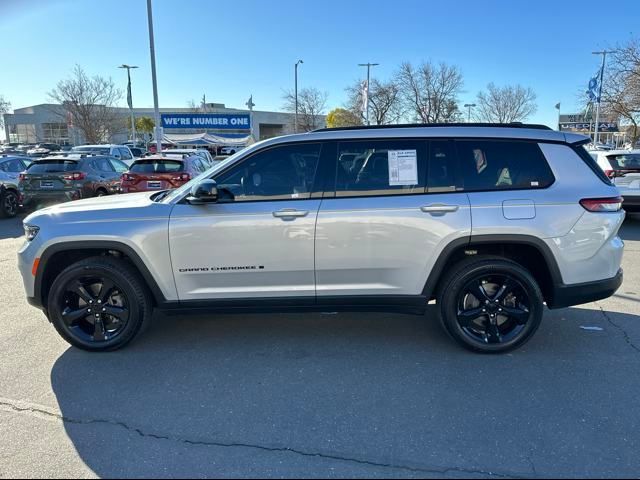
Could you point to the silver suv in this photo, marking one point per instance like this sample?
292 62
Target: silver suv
490 221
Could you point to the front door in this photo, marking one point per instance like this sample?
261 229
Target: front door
257 241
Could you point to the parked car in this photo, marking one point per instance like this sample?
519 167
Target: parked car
137 152
623 168
162 172
121 152
231 149
61 178
490 222
12 165
193 151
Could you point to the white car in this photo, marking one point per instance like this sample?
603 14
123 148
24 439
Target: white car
623 168
231 149
121 152
201 152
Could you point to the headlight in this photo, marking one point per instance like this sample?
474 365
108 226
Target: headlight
30 231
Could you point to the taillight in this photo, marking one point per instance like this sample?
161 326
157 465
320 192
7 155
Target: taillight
183 177
610 204
128 177
74 176
22 177
609 173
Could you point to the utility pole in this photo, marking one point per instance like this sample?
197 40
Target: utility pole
158 128
130 101
469 106
368 65
604 59
295 128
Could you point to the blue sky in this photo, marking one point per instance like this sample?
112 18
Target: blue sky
231 49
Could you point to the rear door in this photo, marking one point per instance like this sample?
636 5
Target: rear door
385 225
11 168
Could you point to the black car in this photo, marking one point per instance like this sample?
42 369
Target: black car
60 178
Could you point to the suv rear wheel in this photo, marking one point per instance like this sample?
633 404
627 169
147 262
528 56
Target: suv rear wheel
99 304
490 305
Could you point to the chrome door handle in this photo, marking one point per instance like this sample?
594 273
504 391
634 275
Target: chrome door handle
438 208
290 213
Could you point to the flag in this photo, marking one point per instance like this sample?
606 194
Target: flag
558 106
592 91
250 103
365 95
129 99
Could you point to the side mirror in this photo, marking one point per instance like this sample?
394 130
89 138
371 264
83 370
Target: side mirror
204 192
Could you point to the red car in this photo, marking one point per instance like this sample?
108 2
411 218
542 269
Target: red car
161 172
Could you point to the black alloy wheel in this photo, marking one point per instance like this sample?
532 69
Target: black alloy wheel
99 304
10 204
490 304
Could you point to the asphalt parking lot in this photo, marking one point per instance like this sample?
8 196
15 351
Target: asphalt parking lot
322 395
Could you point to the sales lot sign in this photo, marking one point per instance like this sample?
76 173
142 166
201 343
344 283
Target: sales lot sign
214 121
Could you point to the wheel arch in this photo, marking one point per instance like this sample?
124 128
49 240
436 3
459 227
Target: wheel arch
529 251
57 257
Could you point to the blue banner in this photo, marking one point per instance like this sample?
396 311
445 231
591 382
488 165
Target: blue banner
202 121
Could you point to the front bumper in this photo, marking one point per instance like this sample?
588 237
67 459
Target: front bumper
568 295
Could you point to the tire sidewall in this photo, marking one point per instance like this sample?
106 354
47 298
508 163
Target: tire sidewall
8 194
449 308
55 312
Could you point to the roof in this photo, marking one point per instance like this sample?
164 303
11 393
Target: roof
517 131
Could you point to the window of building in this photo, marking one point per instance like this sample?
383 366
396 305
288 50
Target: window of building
502 165
57 133
390 167
22 133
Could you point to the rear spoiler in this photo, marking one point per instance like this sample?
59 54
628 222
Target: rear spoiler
576 139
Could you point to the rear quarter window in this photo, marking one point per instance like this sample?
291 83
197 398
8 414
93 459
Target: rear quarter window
592 163
488 165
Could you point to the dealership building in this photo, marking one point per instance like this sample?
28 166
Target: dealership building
211 124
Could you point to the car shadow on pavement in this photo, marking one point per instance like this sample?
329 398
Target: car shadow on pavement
630 229
351 395
11 227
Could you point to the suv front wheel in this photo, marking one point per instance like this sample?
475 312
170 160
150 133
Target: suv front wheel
99 304
490 305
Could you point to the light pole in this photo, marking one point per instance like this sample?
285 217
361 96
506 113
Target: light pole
130 101
295 128
604 59
158 128
469 106
368 65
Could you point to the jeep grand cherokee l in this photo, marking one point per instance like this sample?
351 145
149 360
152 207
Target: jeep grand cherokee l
490 221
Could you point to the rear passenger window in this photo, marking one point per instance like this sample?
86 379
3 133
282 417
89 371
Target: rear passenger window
442 166
393 167
502 165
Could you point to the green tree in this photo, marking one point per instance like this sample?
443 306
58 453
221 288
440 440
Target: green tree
145 125
341 117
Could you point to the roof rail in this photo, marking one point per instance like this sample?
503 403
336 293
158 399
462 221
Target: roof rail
431 125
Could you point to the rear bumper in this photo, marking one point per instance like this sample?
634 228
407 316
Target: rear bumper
29 197
568 295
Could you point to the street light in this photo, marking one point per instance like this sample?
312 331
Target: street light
368 65
296 94
469 106
130 101
152 50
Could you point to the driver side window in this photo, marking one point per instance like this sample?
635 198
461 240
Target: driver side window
279 173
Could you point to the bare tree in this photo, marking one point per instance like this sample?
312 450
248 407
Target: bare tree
192 106
5 106
621 88
88 104
430 92
385 104
311 106
511 103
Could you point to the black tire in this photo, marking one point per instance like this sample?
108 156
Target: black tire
503 313
101 192
72 309
10 204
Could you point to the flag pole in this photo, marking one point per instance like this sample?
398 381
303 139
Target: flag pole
604 57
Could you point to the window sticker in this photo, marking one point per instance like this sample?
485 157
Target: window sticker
403 167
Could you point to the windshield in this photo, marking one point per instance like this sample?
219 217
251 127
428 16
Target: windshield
156 166
51 166
625 161
100 150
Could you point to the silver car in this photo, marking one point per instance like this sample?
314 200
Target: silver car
491 222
